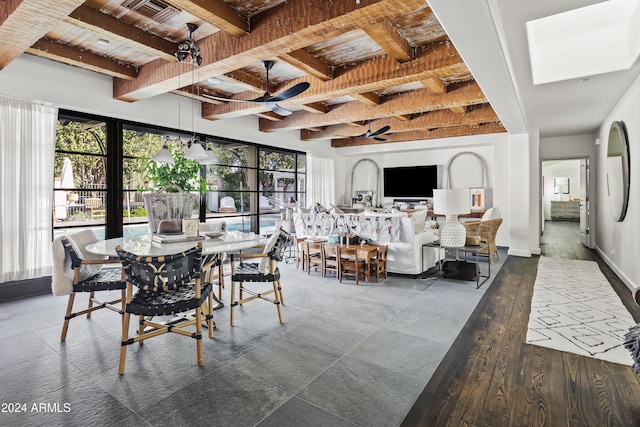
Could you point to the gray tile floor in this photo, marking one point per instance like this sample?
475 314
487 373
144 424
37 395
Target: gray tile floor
346 355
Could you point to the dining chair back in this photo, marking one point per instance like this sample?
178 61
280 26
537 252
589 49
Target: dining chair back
313 255
379 263
266 271
89 276
330 259
351 265
165 285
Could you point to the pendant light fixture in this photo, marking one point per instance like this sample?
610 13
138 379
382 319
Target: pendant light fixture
163 155
195 151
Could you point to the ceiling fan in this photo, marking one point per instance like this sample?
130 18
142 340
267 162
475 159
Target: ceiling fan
268 100
373 135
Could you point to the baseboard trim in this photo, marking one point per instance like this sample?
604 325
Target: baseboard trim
25 288
515 252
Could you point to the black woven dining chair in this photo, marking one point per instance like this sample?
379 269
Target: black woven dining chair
98 280
265 271
166 285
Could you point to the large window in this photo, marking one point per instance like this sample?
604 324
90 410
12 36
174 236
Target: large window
80 171
247 185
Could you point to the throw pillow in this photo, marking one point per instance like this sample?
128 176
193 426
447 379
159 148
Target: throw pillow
318 208
419 218
491 213
265 262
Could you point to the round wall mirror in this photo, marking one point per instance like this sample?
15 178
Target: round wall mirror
618 170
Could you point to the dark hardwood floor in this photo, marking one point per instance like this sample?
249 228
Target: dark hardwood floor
491 377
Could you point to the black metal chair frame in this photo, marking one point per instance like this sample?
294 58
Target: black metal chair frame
166 285
105 280
248 272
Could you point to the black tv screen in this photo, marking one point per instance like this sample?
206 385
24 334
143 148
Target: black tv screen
410 181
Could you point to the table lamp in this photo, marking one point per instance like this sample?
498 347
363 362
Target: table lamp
451 203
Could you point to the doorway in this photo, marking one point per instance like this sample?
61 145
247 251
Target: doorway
564 196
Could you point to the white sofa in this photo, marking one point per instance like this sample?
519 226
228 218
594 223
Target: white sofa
397 230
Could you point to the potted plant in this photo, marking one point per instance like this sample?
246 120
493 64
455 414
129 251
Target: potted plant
173 192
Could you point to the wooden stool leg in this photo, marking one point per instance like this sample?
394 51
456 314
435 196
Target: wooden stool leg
233 300
123 346
91 295
220 280
210 313
199 334
276 292
65 325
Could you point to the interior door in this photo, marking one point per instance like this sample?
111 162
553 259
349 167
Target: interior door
585 235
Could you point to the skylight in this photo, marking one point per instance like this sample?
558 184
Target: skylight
596 39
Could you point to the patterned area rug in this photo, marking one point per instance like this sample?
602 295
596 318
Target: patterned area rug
574 309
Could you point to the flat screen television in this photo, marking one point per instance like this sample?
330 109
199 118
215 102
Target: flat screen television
410 181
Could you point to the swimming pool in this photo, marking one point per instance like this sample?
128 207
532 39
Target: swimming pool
237 224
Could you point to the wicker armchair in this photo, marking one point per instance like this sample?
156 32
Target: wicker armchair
487 230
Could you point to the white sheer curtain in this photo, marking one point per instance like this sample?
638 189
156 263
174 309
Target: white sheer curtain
27 147
321 180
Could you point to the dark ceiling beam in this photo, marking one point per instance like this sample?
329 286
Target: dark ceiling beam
430 120
80 58
438 59
418 101
388 38
113 29
30 20
217 13
306 24
419 135
308 63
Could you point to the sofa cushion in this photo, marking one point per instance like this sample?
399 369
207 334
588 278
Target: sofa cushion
491 213
418 218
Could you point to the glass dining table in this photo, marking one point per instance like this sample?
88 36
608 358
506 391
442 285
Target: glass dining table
143 245
231 241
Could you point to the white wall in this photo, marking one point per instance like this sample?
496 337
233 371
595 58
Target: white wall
465 170
619 242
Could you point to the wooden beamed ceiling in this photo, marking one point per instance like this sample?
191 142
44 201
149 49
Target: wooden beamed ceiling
368 63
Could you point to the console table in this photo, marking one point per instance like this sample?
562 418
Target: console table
568 209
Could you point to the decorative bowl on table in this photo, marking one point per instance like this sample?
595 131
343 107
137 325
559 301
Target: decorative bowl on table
214 234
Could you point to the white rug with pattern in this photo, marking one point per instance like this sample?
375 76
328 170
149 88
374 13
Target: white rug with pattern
575 309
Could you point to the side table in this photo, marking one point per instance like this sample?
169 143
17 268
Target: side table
472 249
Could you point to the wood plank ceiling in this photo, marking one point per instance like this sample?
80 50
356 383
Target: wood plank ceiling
369 63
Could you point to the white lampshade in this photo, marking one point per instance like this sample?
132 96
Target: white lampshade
196 152
163 156
212 158
454 201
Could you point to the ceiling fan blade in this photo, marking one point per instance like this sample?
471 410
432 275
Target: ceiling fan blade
226 99
377 138
262 99
382 130
280 111
291 92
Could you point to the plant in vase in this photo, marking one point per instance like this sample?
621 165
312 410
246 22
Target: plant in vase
173 192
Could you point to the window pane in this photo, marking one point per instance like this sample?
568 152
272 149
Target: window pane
276 160
81 136
302 163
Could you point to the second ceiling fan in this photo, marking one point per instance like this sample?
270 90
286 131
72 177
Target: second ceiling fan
371 135
267 100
